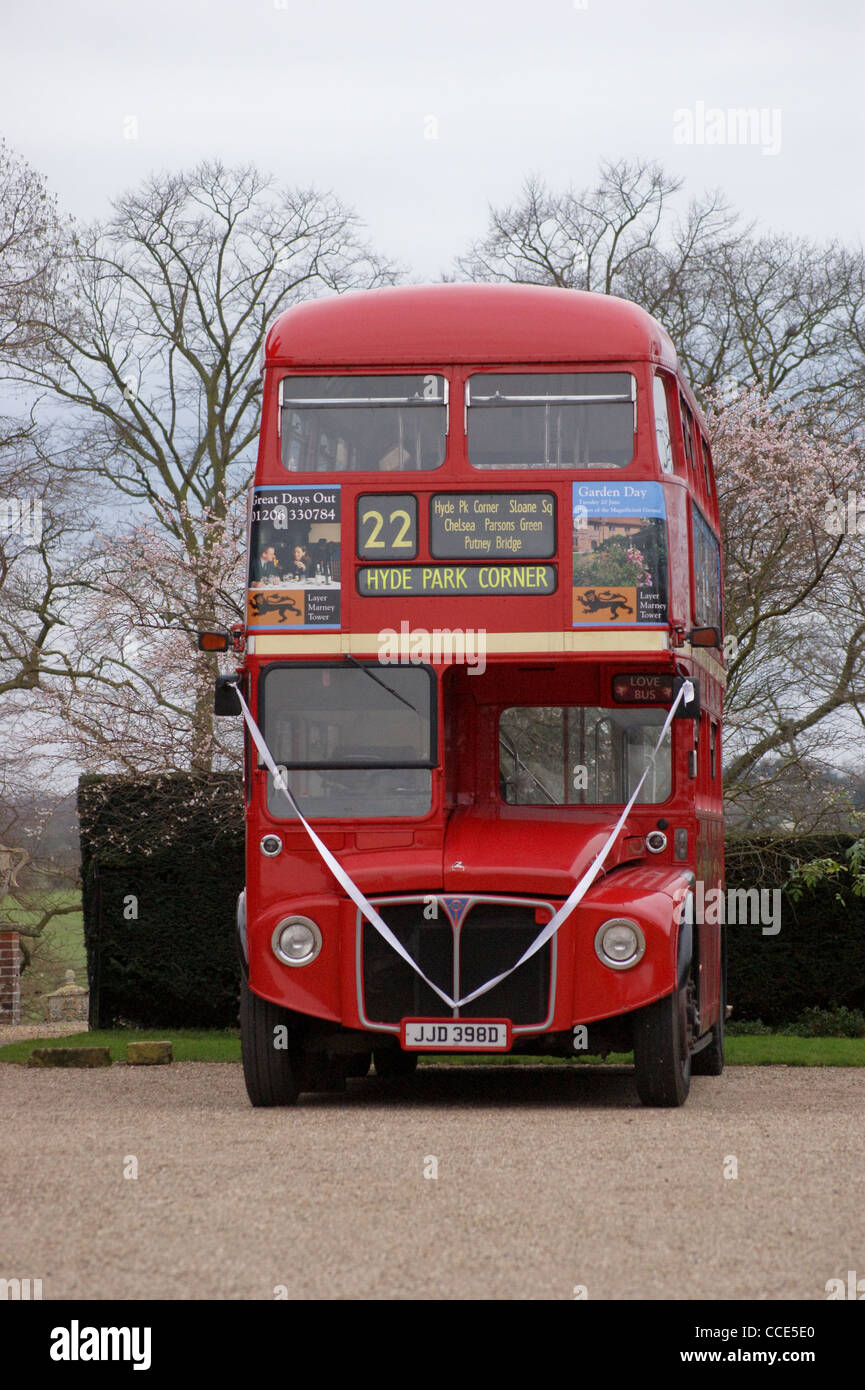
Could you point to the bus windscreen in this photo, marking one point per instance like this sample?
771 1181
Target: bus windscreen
356 741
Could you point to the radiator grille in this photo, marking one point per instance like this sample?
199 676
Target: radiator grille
490 937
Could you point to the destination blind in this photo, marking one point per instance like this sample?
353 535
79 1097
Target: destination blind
474 525
427 581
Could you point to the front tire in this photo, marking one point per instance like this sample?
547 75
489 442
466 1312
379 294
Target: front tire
270 1070
662 1058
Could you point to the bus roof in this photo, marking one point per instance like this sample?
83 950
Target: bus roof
420 324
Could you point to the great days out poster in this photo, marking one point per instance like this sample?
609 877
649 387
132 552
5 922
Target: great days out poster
294 558
620 554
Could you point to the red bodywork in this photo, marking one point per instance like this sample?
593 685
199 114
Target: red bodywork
471 842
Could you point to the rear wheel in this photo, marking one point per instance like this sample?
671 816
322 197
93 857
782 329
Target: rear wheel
662 1059
391 1063
269 1049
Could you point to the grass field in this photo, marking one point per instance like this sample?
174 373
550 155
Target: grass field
60 948
192 1045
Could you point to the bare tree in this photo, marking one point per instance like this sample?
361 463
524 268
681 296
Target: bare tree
31 238
780 313
43 510
134 713
153 370
795 607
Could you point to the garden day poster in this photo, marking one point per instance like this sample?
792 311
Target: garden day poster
620 554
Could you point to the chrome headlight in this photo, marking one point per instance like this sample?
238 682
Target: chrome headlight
619 943
296 941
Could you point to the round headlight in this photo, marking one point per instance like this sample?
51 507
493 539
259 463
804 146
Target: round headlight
619 943
296 941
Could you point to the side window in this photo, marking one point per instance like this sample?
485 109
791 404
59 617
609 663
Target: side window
687 431
713 750
707 472
707 572
662 426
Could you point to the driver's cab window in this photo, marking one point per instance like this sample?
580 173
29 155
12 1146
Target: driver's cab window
582 756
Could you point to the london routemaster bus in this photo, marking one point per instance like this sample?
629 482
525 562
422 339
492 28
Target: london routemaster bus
482 677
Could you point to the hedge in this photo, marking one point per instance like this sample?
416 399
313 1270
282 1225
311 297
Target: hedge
817 958
162 865
172 847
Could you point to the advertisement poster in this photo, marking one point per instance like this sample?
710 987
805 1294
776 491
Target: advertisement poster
294 567
620 554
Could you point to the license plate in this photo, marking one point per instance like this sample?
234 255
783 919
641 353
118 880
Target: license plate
480 1035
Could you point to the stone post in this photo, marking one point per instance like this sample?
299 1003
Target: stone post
69 1003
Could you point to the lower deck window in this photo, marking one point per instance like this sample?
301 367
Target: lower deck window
357 741
354 793
578 755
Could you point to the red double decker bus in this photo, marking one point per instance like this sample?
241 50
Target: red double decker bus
482 679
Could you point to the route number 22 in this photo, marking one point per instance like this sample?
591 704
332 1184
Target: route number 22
387 530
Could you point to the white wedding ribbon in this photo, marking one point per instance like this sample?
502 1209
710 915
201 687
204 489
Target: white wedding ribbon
369 912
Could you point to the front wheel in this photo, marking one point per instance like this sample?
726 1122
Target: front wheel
662 1057
269 1050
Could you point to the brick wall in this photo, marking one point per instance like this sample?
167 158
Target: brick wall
10 978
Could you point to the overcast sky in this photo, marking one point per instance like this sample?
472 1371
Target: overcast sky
345 94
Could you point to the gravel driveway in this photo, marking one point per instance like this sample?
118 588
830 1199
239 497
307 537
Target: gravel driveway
547 1179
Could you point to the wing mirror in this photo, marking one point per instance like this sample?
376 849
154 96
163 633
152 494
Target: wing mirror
225 699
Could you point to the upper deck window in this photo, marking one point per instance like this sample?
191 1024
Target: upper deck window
569 420
662 426
363 424
707 457
687 431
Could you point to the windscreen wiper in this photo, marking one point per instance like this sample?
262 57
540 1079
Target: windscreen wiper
389 689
